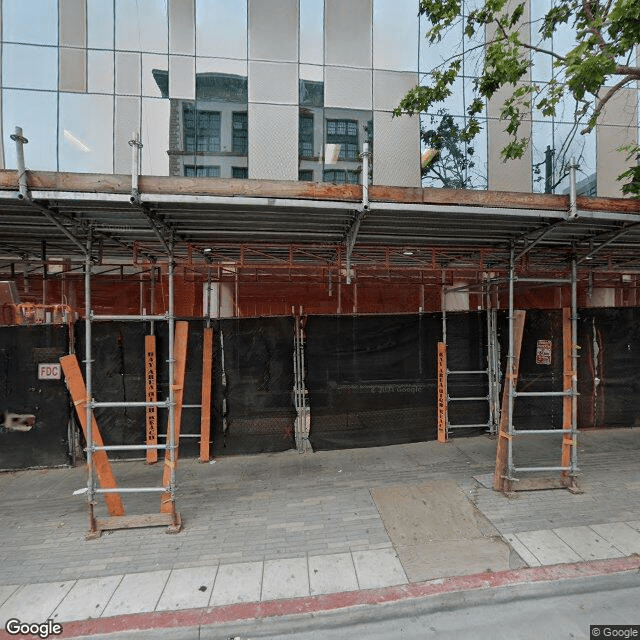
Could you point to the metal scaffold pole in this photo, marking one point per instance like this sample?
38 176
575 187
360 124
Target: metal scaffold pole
91 485
574 368
171 444
510 367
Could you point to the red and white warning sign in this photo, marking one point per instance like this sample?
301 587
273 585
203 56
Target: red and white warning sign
543 352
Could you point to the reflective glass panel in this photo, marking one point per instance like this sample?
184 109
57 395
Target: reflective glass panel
142 25
100 71
35 112
155 136
434 54
221 28
312 31
100 24
32 22
154 75
86 133
345 131
395 35
29 67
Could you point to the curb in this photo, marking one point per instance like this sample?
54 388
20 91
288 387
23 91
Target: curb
315 605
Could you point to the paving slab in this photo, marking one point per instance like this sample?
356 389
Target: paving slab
332 573
621 535
547 547
635 524
588 544
87 599
137 593
522 550
238 582
454 558
34 602
285 578
188 588
6 591
379 568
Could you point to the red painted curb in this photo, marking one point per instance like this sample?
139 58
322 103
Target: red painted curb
336 601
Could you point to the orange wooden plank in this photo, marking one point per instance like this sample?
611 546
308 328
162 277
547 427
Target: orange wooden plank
503 434
205 411
78 392
180 356
151 396
567 402
442 392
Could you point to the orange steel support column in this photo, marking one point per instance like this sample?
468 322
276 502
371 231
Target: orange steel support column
78 392
567 402
503 434
442 392
180 354
205 411
151 396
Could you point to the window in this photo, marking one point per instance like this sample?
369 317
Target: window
305 136
305 175
240 133
209 171
344 133
201 130
240 172
341 176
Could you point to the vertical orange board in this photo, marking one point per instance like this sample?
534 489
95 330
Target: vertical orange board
205 411
443 404
503 434
180 356
78 392
567 401
151 396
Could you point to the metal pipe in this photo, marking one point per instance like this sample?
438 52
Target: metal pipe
477 398
467 426
443 304
510 367
545 280
20 141
129 447
87 374
481 371
518 394
172 394
525 432
152 296
533 469
133 490
123 318
135 145
574 366
107 405
573 192
365 175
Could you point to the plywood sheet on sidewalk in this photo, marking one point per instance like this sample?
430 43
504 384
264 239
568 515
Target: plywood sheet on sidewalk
438 532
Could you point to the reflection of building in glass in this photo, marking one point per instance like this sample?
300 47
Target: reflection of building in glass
330 140
208 137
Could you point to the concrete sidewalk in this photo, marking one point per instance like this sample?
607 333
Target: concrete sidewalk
293 528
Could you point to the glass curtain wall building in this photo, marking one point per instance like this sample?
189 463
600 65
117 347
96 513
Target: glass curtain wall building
271 89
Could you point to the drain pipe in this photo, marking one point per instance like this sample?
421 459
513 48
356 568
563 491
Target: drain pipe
135 145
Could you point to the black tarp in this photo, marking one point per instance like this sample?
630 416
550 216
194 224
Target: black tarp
22 349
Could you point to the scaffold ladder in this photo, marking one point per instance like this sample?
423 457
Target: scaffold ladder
491 372
98 466
506 472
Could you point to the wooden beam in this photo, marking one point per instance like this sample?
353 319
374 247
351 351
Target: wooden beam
503 434
205 411
151 396
78 392
180 356
443 405
162 185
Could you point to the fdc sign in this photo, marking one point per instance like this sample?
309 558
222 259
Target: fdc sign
49 371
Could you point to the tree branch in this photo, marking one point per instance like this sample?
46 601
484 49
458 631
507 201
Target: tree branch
529 46
607 96
586 7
